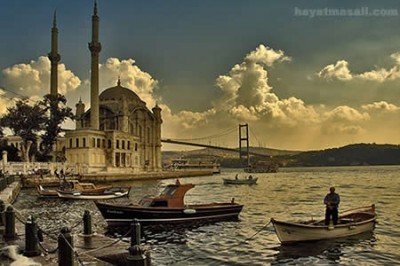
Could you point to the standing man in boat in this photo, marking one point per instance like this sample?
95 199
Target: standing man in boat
331 201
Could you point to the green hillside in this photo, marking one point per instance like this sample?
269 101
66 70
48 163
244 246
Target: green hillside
355 154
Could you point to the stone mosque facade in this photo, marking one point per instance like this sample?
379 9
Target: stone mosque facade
118 134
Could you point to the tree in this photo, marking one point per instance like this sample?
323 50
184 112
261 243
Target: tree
26 121
56 112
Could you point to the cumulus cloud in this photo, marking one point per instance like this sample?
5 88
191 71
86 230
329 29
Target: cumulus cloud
340 71
5 102
344 119
132 77
246 96
34 78
380 106
266 55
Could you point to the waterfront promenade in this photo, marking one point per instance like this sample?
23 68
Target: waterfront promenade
95 249
34 180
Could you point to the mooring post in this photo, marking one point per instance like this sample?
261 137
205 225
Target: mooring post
10 224
31 240
65 248
87 223
136 255
2 213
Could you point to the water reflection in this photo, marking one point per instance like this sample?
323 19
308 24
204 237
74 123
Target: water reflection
330 250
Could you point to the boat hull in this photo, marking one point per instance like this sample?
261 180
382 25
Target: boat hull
288 232
240 181
46 192
83 196
117 215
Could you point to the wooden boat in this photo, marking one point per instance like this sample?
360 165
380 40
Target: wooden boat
72 185
46 192
87 188
241 181
167 208
352 222
107 194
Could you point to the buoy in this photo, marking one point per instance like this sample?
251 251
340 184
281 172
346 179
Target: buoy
189 211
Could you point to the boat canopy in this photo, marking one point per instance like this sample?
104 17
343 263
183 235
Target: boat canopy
172 196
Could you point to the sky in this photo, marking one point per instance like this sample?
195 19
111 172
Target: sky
304 75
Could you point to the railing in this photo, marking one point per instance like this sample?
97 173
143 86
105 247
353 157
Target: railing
6 180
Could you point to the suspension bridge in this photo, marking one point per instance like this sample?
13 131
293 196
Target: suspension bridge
243 141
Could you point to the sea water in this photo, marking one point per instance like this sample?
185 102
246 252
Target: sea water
292 194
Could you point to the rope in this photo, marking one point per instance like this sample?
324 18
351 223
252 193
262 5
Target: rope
46 251
78 223
74 250
249 238
19 216
111 244
359 208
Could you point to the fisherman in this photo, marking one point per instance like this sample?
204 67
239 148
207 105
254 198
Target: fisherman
236 176
331 201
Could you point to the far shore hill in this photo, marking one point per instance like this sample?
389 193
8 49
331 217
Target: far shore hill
349 155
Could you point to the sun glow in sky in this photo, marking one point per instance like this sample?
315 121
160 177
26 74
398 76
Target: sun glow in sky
302 76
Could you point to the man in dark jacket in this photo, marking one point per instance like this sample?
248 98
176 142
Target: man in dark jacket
331 201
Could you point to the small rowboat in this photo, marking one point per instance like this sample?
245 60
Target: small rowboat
46 192
352 222
107 194
72 185
240 181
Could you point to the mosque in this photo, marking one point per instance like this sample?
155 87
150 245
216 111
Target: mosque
118 133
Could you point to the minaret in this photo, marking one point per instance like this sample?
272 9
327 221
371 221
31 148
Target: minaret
80 110
157 137
95 48
54 57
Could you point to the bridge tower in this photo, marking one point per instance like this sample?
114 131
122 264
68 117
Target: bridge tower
244 139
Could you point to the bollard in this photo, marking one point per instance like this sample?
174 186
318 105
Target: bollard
136 255
87 223
10 224
65 248
31 241
2 213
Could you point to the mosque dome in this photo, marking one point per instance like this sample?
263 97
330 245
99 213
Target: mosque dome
118 92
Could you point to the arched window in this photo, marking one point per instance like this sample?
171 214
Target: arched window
109 143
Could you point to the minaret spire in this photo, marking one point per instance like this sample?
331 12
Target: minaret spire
54 57
95 8
95 48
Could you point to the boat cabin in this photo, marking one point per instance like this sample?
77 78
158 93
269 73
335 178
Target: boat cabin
172 196
79 186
